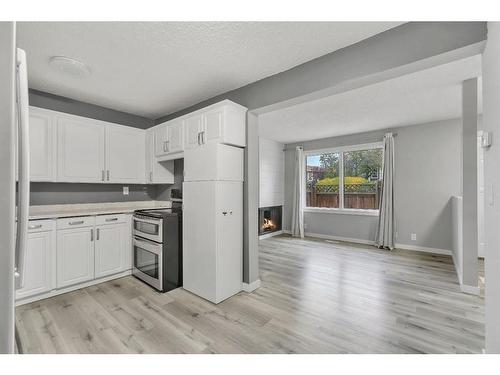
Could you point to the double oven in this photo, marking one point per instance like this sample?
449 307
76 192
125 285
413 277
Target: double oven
157 248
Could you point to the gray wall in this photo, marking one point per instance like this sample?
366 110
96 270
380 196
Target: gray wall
491 116
66 193
70 193
75 107
163 191
7 194
427 174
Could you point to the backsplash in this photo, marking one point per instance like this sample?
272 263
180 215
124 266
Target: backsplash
43 193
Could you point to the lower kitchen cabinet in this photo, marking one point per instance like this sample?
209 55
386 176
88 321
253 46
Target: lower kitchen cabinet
112 246
40 267
75 253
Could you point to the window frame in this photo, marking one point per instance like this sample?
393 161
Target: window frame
340 150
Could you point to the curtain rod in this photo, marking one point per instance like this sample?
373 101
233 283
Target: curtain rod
341 144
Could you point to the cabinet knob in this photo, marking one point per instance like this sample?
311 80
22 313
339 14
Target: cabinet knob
224 213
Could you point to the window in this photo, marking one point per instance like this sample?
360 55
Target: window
347 178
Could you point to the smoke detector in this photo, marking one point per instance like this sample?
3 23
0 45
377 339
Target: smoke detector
69 66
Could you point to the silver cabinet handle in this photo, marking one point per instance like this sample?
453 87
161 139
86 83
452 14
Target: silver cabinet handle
97 234
92 235
164 147
102 175
108 174
111 219
34 226
151 176
199 143
203 137
224 213
167 146
76 222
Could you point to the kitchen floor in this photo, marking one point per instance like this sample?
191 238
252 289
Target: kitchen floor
316 297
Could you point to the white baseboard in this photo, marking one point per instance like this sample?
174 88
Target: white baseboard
469 289
338 238
250 287
423 248
268 235
370 242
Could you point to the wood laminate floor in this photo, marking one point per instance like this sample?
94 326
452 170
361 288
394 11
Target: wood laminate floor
316 297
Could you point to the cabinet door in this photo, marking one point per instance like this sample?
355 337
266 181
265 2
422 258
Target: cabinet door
160 139
193 126
229 212
80 146
199 238
110 249
75 256
213 125
39 270
125 148
43 143
175 137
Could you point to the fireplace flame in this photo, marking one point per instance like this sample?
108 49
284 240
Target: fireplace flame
268 224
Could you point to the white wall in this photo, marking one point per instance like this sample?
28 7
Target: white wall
428 173
491 123
271 173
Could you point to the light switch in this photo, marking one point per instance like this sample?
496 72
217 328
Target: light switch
125 190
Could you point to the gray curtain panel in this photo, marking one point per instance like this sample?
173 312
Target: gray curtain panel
385 230
298 194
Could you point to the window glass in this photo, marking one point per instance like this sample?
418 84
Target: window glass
362 179
322 180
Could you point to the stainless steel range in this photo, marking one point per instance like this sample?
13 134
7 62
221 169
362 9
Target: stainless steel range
158 247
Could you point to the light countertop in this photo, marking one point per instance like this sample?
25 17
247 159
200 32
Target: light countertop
89 209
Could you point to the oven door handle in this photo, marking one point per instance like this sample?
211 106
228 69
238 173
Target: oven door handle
152 221
150 246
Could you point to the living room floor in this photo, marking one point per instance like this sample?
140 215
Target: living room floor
317 296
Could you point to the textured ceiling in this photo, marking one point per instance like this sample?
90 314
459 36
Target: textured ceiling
429 95
155 68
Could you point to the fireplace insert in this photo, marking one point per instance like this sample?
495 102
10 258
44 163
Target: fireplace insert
269 219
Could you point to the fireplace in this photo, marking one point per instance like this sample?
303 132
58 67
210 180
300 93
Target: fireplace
269 219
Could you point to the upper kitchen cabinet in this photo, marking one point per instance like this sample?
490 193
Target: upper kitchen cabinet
169 140
43 145
157 172
223 122
125 149
81 149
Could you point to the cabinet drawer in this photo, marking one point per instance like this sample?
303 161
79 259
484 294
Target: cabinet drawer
110 219
75 222
46 225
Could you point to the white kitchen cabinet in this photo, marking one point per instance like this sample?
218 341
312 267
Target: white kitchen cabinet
112 244
169 140
214 162
43 145
125 149
157 172
213 245
39 271
80 150
193 128
75 250
223 122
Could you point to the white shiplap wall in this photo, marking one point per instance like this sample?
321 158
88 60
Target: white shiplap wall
272 173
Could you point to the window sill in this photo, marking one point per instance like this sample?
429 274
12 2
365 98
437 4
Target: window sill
338 211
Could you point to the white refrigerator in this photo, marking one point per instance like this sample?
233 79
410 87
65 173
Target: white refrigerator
213 221
14 135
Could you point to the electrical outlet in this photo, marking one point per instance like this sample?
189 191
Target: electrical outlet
413 236
125 190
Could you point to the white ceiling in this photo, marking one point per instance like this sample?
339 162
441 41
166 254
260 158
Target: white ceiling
428 95
155 68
